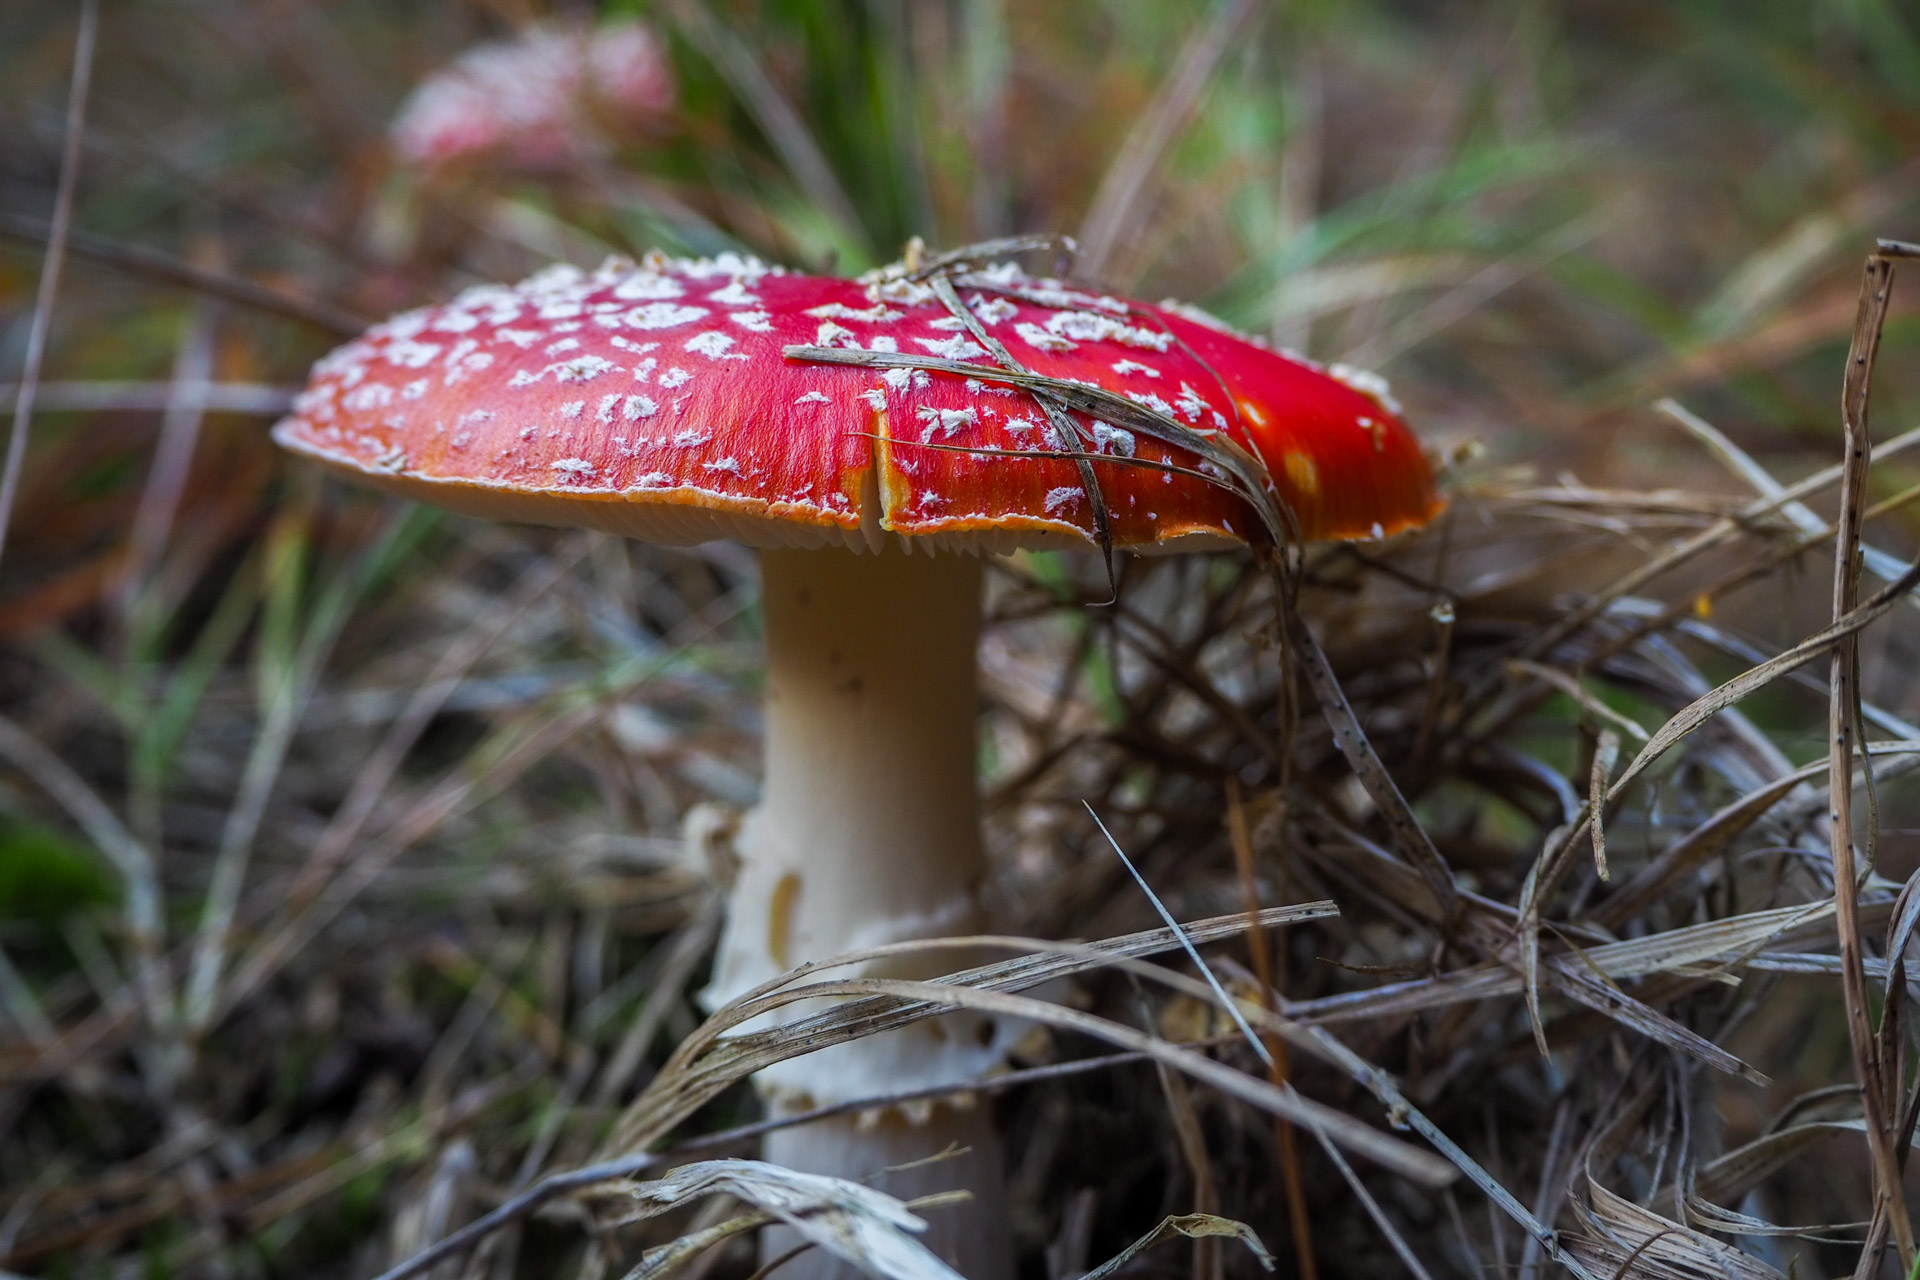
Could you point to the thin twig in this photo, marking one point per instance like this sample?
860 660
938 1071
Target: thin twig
164 268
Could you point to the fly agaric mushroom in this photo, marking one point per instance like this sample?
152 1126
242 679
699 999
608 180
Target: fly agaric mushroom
836 426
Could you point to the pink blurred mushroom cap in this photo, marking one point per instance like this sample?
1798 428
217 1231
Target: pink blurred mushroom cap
542 101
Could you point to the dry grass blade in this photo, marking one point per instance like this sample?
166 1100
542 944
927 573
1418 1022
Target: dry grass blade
1688 549
1247 476
49 288
1227 1003
1389 1153
1698 712
1402 1110
1060 426
185 412
667 1100
1189 1226
1881 564
867 1228
1843 715
1410 838
1627 1240
1701 950
784 127
1113 207
1267 982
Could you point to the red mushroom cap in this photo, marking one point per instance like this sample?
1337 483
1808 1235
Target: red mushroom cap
656 401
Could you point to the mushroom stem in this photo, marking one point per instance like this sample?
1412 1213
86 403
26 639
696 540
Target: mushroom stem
868 832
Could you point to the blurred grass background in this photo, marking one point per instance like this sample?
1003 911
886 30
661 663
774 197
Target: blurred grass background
402 793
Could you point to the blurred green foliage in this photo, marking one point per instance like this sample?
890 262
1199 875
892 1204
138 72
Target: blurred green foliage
46 875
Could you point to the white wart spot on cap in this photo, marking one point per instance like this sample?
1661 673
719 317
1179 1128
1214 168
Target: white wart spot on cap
642 285
1092 326
1368 384
714 345
409 354
1058 500
992 311
946 421
733 294
662 315
1106 436
878 314
1041 340
900 379
954 348
582 369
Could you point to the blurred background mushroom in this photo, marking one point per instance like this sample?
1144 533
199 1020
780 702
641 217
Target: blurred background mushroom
551 98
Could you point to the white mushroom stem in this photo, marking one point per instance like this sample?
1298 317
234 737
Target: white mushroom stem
868 832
